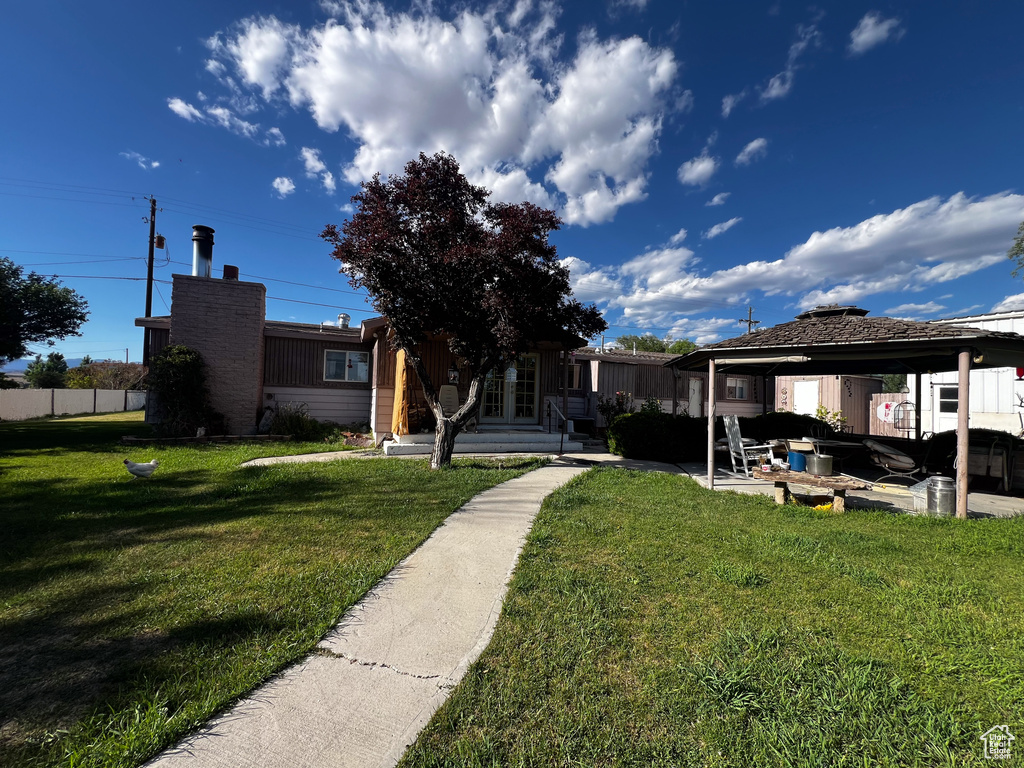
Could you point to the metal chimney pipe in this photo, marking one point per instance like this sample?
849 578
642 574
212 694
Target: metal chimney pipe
343 320
202 251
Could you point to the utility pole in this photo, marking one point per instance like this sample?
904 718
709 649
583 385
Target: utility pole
149 279
750 321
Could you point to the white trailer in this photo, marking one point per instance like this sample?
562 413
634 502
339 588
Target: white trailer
995 393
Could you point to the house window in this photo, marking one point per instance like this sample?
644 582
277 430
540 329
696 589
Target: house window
346 366
735 389
574 376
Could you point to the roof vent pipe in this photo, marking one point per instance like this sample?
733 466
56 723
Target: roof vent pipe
343 320
202 251
230 272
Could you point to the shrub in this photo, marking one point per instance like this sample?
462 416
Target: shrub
612 407
781 424
658 437
294 419
651 405
178 379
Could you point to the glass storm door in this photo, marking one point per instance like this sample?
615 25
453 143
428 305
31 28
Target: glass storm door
525 390
512 402
493 410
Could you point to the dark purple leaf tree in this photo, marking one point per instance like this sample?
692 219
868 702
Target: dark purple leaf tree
439 261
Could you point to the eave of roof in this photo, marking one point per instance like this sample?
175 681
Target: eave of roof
848 344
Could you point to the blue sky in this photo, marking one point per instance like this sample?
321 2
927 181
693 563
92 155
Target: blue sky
704 156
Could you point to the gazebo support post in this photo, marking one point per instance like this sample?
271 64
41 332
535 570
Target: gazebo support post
711 423
962 434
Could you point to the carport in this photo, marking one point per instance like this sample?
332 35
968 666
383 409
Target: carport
844 340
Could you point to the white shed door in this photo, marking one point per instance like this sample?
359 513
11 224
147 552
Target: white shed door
805 397
945 401
696 402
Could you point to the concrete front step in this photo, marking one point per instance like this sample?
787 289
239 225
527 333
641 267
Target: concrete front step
484 442
418 449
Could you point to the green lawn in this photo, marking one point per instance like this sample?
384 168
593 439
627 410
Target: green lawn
654 623
131 610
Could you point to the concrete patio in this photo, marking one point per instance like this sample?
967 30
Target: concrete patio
891 496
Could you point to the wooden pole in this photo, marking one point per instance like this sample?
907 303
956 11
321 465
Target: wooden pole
711 423
962 434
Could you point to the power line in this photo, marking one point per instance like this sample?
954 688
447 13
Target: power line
317 304
64 263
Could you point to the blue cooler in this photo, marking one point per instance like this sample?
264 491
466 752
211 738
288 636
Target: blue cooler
797 461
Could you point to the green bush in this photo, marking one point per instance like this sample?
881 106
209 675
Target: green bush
294 419
781 424
177 376
658 437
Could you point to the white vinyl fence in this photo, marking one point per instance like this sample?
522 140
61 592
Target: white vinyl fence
20 404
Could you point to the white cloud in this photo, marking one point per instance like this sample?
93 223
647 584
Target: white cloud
143 162
347 208
185 110
699 170
677 238
781 84
725 226
755 150
637 5
718 199
275 137
311 159
915 311
932 242
283 185
872 31
482 86
1010 303
226 119
729 102
216 115
592 285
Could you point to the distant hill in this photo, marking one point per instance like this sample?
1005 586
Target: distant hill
20 365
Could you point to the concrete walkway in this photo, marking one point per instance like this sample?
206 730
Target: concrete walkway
378 677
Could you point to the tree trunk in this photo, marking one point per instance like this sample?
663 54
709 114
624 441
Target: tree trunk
444 443
448 425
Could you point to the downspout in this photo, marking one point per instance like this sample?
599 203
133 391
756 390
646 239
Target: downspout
962 434
917 408
676 375
711 423
565 399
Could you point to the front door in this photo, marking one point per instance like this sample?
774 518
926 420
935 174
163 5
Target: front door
512 398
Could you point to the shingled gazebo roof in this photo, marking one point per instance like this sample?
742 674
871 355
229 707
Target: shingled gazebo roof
844 340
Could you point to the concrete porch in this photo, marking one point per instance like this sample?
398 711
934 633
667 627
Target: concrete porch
889 496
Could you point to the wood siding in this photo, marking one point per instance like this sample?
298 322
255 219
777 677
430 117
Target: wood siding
300 363
881 428
850 395
344 406
158 339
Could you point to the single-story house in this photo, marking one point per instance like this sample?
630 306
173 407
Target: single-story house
342 374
